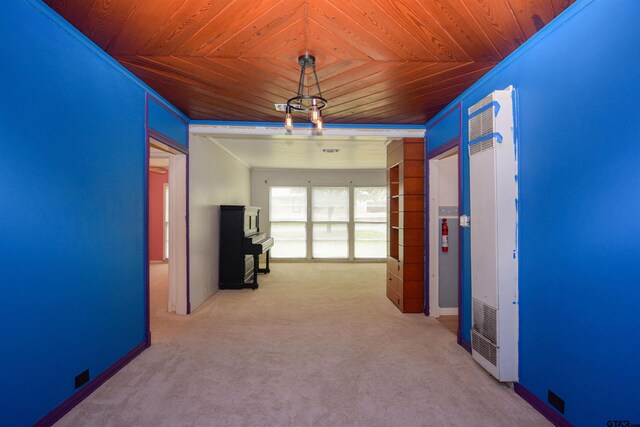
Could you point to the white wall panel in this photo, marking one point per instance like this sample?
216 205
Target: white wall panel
215 178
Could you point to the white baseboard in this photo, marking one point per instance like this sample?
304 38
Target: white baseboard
448 311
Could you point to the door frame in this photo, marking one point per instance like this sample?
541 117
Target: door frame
455 142
173 147
433 246
165 221
177 227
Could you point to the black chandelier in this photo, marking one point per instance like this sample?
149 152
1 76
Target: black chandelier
310 104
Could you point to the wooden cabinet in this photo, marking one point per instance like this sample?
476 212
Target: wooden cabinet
405 259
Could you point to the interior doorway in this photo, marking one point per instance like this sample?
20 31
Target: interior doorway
167 243
444 242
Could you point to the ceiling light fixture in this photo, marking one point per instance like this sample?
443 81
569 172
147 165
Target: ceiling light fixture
310 104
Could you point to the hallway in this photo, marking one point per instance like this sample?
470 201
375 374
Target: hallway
316 344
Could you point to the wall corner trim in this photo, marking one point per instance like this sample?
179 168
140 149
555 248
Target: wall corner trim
53 416
540 406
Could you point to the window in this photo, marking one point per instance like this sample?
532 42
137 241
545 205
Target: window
370 222
288 216
344 222
330 216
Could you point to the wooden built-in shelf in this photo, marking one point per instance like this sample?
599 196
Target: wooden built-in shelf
405 188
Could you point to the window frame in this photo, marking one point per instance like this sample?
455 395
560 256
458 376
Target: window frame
382 221
305 222
347 222
309 223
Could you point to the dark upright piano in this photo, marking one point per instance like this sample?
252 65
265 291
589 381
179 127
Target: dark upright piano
241 243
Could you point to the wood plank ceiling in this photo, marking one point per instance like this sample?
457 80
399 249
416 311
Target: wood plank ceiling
384 61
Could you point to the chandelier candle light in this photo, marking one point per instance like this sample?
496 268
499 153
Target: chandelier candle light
310 104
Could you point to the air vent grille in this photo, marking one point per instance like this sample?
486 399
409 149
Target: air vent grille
481 146
487 144
482 103
481 124
485 320
484 347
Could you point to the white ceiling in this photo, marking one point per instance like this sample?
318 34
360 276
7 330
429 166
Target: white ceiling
305 152
269 146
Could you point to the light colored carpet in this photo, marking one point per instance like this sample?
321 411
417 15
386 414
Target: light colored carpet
450 322
317 344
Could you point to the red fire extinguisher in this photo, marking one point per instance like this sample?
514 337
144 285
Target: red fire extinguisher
445 236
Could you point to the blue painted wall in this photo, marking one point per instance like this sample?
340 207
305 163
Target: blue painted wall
167 122
578 90
443 129
72 205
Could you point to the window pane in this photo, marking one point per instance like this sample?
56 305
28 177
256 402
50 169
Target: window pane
370 204
288 204
331 204
330 241
370 240
289 240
